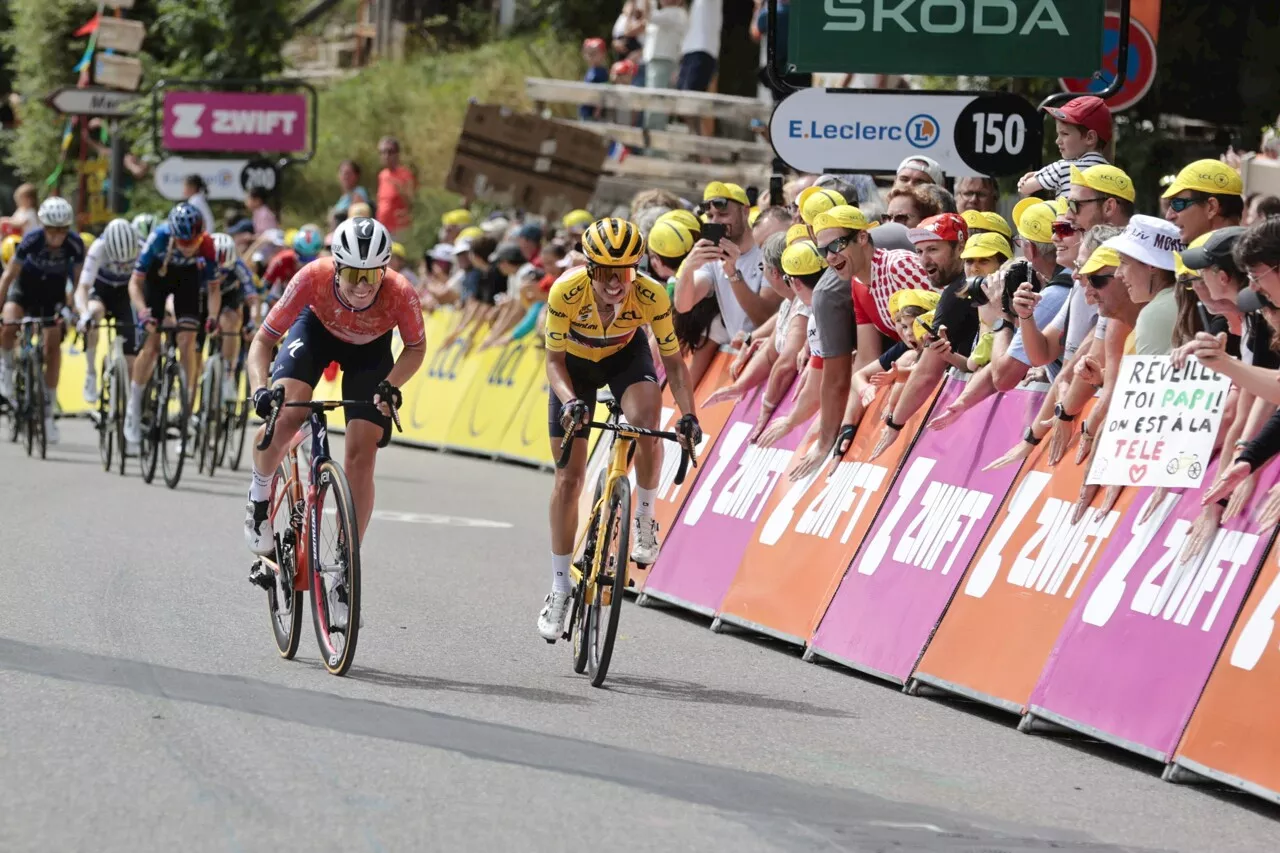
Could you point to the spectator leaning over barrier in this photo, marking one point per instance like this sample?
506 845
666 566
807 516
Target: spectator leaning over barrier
730 269
977 194
1084 131
1045 288
1226 289
941 242
909 206
529 239
1100 195
1146 271
815 200
1206 195
1256 253
700 50
918 169
771 221
669 243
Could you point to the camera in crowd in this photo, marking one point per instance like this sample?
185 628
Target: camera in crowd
1015 275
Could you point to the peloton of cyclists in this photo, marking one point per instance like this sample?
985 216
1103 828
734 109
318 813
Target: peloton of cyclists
103 291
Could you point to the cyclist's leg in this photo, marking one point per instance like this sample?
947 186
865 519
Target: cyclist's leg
635 385
230 322
14 310
190 309
51 339
155 293
363 367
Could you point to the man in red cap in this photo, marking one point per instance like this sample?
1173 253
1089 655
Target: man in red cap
939 240
1084 132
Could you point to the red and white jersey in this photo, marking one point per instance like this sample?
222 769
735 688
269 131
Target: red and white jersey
315 287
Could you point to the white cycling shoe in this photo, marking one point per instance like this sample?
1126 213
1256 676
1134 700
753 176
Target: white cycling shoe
554 611
133 427
644 550
258 534
91 386
229 390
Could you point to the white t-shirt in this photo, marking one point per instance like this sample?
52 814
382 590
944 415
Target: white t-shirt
751 266
787 311
664 34
705 20
1077 316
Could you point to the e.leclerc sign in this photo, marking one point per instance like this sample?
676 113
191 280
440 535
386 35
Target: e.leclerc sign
1009 38
841 130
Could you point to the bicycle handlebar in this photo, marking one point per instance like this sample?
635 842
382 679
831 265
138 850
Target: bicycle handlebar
317 406
688 455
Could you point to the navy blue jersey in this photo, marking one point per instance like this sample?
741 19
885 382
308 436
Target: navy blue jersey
152 256
237 278
45 268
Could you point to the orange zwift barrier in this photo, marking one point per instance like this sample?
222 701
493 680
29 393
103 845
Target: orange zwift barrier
1018 592
809 533
1234 735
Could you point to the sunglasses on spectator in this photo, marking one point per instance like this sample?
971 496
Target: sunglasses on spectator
1177 205
836 246
1063 230
900 218
1097 282
1074 205
717 204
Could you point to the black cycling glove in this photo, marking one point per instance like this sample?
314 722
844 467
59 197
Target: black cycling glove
688 428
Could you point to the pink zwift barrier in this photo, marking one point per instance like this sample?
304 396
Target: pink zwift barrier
930 527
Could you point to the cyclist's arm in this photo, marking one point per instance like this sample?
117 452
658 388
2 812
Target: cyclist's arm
258 361
136 282
10 273
557 343
680 383
412 331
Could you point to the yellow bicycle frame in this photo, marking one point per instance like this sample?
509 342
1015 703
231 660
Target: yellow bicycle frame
617 469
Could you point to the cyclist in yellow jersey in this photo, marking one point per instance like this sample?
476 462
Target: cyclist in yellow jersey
594 333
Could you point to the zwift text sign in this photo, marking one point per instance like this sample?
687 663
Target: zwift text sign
235 121
1162 423
1014 38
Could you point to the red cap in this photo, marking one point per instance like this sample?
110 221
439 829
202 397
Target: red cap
1091 113
623 66
593 44
945 226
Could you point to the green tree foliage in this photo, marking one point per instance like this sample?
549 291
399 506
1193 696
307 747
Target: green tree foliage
42 55
218 39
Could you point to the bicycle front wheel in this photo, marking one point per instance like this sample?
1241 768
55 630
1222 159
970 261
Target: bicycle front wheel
239 425
36 402
107 403
283 601
334 557
121 392
579 624
202 416
152 422
614 544
173 415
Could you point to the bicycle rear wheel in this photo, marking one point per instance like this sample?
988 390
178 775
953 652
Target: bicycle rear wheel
36 439
202 415
121 392
334 558
174 414
211 418
149 450
283 601
106 414
606 605
578 627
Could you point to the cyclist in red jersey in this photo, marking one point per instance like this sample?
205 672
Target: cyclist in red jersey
339 309
284 265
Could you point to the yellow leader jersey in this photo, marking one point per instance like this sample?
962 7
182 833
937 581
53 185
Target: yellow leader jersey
573 322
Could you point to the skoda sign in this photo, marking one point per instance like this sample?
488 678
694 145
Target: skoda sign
840 130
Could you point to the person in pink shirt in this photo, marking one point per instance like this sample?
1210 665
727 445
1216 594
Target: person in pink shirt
263 218
396 187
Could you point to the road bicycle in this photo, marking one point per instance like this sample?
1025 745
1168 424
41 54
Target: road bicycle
599 575
300 516
30 394
166 412
113 395
217 417
232 451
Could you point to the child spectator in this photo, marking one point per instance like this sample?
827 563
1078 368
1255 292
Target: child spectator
594 52
1084 131
23 221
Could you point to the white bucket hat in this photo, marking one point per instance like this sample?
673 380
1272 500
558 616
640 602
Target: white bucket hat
1150 240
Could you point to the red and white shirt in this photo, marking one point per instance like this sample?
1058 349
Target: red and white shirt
315 286
891 270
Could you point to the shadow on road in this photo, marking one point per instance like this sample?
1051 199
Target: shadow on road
423 682
688 691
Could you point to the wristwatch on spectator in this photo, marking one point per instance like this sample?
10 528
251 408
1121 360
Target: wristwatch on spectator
1061 414
888 421
1030 437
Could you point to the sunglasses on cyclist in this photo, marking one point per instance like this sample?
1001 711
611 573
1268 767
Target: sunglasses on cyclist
1074 205
602 273
836 246
188 242
1177 205
1063 230
351 276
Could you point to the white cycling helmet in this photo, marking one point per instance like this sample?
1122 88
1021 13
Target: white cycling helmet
143 223
361 243
56 212
120 242
224 246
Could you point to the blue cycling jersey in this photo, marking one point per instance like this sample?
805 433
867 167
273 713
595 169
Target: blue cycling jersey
152 256
237 277
44 267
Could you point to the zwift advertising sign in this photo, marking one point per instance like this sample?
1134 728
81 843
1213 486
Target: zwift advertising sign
235 121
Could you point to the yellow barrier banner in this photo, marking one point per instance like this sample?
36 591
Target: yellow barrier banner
527 438
504 378
435 392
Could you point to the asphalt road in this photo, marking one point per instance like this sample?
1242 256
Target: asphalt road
143 706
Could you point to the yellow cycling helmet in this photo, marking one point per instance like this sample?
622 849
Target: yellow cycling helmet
685 218
87 239
670 240
613 243
802 258
8 247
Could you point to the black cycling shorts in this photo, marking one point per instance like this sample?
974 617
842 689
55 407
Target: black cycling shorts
118 306
309 347
629 365
183 283
39 300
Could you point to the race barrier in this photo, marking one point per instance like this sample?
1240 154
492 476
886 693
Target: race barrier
923 569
